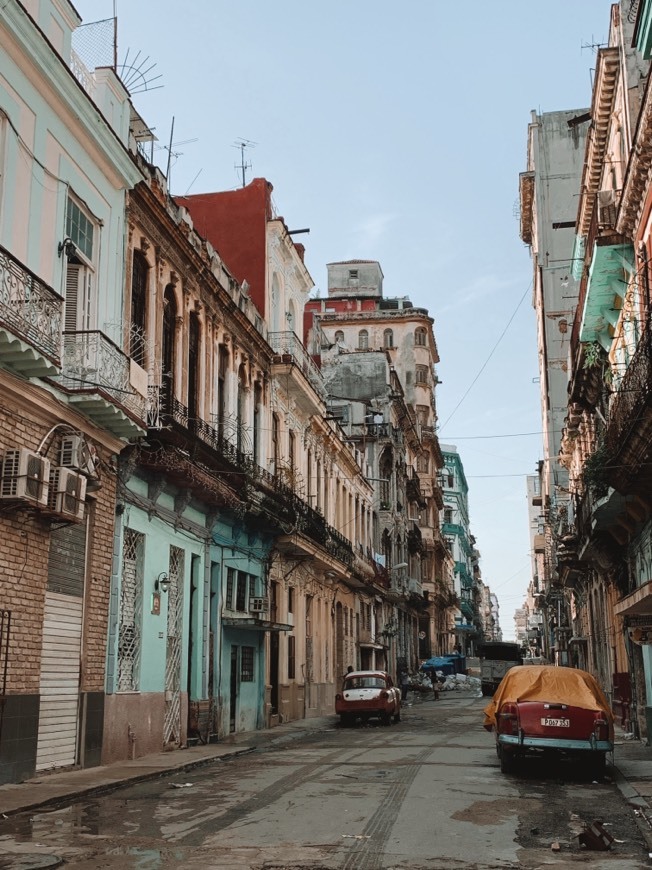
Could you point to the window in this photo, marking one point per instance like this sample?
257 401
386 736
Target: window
291 452
230 582
168 350
131 610
275 445
423 413
353 275
247 664
241 592
258 398
423 464
291 656
222 370
80 229
422 374
241 406
139 276
363 339
79 312
339 337
420 337
448 515
388 338
291 599
194 363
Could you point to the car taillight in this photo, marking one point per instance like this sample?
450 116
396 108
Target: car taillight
384 694
600 727
338 697
508 719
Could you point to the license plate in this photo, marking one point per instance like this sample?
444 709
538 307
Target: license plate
556 723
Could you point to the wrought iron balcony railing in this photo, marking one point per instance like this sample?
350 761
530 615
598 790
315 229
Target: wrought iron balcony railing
632 396
29 309
293 512
288 344
92 363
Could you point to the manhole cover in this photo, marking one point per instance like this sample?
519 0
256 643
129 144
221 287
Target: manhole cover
29 862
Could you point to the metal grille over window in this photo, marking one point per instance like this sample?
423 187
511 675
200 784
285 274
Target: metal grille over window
131 609
172 727
247 664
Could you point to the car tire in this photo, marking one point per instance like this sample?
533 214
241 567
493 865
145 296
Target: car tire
346 720
508 760
596 765
397 714
386 718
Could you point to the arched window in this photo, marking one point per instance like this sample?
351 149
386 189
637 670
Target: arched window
194 363
420 336
243 390
168 350
139 273
388 338
339 337
363 339
275 442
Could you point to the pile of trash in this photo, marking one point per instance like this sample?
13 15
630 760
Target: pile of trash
421 682
460 683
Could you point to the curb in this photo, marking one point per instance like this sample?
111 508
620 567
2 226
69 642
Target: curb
105 788
642 811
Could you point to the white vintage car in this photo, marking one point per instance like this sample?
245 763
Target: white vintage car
367 694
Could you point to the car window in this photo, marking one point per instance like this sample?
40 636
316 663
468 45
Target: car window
364 683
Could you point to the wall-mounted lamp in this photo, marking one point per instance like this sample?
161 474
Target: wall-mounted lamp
68 247
400 565
162 582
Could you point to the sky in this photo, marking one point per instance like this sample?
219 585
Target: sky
396 132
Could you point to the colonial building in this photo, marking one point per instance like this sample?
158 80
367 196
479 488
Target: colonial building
72 393
321 577
381 354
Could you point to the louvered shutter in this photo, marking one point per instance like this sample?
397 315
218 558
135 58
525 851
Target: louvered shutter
72 296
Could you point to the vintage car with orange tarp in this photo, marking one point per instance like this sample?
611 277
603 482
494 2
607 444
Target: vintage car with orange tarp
548 709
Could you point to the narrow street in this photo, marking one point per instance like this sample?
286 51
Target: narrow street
426 792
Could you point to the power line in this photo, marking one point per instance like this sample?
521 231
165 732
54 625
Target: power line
491 353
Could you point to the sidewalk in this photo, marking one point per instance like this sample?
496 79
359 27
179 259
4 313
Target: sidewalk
69 785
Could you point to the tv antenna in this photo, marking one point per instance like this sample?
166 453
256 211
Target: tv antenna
171 153
242 145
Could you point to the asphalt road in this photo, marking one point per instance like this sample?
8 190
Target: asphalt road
424 793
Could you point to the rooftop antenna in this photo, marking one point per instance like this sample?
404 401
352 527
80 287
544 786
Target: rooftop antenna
242 145
171 153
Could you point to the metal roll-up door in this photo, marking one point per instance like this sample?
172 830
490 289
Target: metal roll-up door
61 650
59 711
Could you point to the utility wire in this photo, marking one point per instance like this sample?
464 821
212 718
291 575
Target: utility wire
491 353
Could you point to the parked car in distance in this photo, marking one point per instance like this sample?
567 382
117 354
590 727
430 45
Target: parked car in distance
367 694
546 709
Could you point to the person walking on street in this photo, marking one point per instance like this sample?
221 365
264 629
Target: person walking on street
404 682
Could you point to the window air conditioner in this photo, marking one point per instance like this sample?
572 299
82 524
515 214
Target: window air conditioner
78 454
25 476
67 494
257 605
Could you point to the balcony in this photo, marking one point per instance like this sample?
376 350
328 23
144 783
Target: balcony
628 436
30 321
104 383
291 357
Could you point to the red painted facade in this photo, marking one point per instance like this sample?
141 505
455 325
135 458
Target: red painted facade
235 223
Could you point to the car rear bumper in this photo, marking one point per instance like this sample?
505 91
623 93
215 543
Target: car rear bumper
521 741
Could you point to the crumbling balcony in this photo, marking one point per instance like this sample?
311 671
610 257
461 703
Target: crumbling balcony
30 321
628 437
104 383
291 357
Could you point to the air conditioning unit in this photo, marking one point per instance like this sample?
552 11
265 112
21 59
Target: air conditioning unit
67 494
257 605
25 476
78 454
